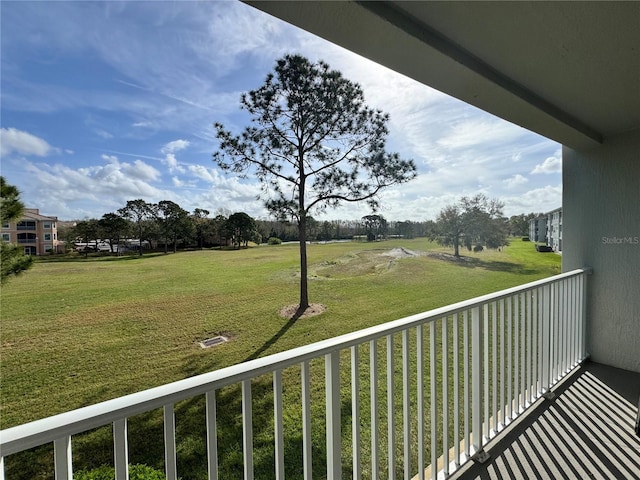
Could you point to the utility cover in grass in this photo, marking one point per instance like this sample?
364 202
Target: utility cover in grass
212 342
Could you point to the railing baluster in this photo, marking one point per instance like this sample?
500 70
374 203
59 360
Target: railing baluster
306 421
391 424
456 390
476 378
212 435
420 399
534 347
170 462
62 458
467 386
434 400
247 429
332 390
516 356
545 352
494 365
445 396
406 402
486 422
355 412
583 315
120 449
375 422
523 364
554 334
509 360
572 313
277 424
561 325
529 346
503 406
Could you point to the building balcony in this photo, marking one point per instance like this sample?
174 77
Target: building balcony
495 385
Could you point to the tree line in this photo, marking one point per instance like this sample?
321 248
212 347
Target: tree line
472 222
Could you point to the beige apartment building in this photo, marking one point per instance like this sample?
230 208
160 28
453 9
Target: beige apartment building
36 233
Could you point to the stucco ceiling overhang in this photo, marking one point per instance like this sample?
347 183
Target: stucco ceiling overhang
567 70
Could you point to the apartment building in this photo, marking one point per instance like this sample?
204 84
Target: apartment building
538 229
37 233
554 229
547 228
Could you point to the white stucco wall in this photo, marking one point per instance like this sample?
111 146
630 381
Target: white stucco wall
601 202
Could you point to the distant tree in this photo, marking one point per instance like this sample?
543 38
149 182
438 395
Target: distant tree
519 224
88 231
12 257
472 221
327 230
113 228
174 223
483 222
313 144
450 227
202 225
375 226
218 228
406 229
141 214
241 228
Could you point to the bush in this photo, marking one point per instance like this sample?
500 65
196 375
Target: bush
274 241
525 239
105 472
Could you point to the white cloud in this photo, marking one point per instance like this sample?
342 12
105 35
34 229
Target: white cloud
170 150
13 140
137 170
550 165
541 199
516 180
175 146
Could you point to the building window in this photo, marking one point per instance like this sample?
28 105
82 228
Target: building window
26 225
47 237
27 238
6 237
47 226
5 225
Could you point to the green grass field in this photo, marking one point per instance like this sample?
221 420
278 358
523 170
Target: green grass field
79 332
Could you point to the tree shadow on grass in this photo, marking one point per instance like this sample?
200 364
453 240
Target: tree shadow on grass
97 258
275 337
492 265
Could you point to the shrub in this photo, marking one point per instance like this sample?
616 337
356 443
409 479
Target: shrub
274 241
105 472
478 248
525 239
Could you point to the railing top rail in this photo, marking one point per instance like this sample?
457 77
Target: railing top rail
48 429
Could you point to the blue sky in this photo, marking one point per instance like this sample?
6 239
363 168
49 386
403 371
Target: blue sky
107 102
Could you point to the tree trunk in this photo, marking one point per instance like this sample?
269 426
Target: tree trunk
456 247
304 293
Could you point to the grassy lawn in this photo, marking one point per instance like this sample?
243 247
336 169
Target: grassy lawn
79 332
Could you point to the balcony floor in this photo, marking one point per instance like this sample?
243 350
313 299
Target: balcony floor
586 431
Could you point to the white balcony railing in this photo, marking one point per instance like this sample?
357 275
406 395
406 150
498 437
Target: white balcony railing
486 359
